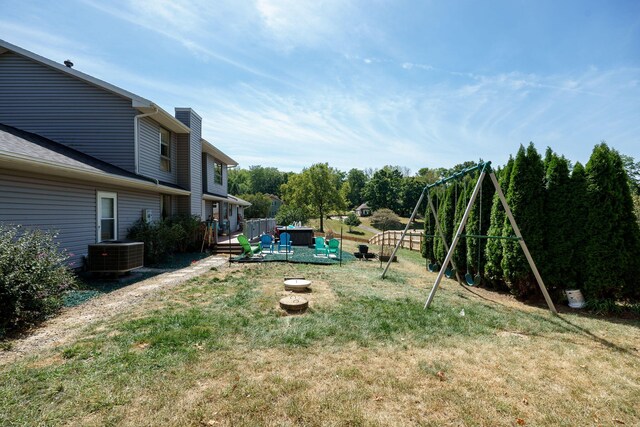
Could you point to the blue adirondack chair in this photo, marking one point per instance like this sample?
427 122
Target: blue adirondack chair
266 242
321 248
285 242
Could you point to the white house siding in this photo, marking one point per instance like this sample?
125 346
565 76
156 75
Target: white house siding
44 101
67 206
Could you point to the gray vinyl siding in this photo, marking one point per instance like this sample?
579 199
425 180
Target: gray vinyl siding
149 143
39 99
67 206
210 174
208 208
194 152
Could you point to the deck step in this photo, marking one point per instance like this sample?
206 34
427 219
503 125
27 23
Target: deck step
233 248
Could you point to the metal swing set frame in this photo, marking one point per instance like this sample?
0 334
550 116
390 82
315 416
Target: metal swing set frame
485 169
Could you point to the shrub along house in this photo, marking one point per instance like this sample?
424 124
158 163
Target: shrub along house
87 159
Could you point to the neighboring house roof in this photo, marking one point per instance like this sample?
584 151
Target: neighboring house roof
362 206
274 197
228 198
28 151
141 104
208 147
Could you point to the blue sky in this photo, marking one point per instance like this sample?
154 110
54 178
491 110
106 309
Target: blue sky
363 83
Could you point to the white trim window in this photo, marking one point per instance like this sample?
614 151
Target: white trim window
165 150
106 216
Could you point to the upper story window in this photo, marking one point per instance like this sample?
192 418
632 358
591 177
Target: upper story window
165 150
218 173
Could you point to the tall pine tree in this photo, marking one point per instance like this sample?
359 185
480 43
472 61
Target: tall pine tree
494 248
614 238
428 243
525 196
445 217
481 209
578 212
558 273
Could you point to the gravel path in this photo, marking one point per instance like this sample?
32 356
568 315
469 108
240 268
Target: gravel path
64 327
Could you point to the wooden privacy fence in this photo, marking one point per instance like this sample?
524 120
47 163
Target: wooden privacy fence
412 240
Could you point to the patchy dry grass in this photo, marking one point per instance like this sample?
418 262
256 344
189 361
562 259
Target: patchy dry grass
218 351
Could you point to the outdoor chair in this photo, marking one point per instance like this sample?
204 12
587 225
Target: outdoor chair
266 242
284 242
248 250
320 247
334 247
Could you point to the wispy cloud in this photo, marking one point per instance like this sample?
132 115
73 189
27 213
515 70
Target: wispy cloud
184 24
442 124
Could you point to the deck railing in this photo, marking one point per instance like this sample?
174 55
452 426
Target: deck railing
253 228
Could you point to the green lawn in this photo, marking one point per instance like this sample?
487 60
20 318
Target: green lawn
218 350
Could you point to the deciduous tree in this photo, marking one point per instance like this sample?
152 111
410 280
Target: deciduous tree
317 189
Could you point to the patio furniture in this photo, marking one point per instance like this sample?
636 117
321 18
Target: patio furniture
284 242
334 247
248 250
320 247
266 242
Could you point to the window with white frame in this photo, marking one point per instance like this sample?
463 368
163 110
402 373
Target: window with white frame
107 216
165 150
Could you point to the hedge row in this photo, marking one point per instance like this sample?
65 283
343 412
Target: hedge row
578 223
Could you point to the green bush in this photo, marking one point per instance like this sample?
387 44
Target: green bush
160 239
189 238
288 214
33 276
352 220
385 219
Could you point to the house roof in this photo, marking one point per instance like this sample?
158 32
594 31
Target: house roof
141 104
27 151
362 206
228 198
209 148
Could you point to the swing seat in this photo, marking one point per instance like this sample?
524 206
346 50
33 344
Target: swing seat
433 267
450 272
471 280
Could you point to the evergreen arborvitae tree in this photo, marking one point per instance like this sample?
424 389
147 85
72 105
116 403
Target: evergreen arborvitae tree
493 251
429 230
579 207
446 213
614 238
482 203
558 273
464 194
525 197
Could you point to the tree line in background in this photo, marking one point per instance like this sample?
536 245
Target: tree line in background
321 189
578 223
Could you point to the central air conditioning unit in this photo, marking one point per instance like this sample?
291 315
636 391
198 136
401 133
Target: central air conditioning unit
115 256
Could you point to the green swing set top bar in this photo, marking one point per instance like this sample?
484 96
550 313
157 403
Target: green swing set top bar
482 166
